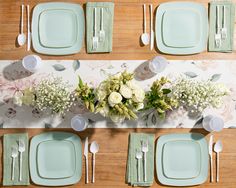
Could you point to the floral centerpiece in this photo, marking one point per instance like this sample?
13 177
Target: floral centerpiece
160 97
197 95
52 94
118 97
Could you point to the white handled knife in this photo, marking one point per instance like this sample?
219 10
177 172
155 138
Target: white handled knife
151 28
210 148
28 29
86 158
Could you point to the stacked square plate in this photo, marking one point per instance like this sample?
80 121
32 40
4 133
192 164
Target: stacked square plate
58 28
182 159
55 159
181 28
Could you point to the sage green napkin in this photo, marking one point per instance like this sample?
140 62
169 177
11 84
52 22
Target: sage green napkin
131 171
10 140
228 44
108 14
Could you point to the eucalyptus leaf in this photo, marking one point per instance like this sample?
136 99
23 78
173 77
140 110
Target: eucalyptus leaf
103 72
1 125
154 119
110 67
76 65
47 125
191 74
215 77
59 67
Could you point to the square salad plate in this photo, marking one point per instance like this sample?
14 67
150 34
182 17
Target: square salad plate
182 159
58 28
55 159
181 28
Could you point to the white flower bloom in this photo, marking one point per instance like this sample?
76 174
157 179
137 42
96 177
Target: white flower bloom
17 99
138 95
114 98
132 85
125 91
101 95
104 112
140 106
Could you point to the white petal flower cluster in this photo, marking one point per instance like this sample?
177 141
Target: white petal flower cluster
119 97
55 95
196 95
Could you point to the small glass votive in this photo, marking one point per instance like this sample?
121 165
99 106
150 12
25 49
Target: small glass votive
213 123
79 123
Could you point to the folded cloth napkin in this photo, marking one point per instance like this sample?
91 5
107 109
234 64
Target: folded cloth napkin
131 171
228 44
10 140
108 14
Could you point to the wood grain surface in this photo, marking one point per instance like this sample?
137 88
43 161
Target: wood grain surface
126 36
112 156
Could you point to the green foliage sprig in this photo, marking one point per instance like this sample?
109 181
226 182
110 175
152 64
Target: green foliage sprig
160 98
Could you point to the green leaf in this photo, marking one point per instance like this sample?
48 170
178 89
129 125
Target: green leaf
76 65
59 67
81 84
215 77
166 91
191 74
160 111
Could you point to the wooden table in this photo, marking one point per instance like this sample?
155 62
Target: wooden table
111 159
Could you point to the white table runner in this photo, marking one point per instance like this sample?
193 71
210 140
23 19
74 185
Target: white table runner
13 77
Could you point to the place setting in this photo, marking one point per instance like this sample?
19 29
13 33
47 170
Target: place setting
178 159
50 159
58 28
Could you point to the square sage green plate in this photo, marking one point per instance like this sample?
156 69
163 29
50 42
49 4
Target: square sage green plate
182 159
181 28
55 159
58 28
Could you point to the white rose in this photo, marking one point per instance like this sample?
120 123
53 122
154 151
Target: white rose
17 99
140 106
114 98
138 95
126 92
132 85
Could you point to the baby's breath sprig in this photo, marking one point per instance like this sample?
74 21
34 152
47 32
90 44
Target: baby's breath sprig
197 95
55 95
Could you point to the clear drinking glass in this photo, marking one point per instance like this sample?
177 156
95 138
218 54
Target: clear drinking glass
79 123
213 123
